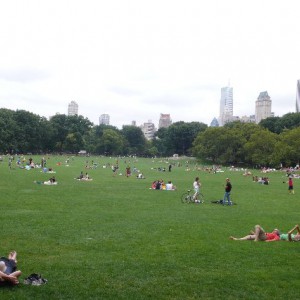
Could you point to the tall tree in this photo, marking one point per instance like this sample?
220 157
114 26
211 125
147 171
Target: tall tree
29 131
180 136
8 128
287 149
135 138
260 147
68 132
111 143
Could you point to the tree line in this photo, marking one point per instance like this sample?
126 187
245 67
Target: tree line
273 142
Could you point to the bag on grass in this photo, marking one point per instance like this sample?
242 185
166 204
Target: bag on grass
35 279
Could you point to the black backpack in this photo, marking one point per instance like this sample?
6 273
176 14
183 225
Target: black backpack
35 279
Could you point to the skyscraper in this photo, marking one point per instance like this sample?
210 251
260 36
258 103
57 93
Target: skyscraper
148 130
104 119
263 107
164 121
72 108
298 97
226 105
214 123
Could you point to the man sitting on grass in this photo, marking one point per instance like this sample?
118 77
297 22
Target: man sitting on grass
8 269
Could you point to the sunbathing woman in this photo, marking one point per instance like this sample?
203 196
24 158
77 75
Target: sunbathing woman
8 269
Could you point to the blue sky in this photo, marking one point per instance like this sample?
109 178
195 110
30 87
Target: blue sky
137 59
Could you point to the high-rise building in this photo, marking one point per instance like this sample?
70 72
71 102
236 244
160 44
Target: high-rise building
72 108
248 119
104 119
164 121
226 105
148 130
214 123
298 97
263 106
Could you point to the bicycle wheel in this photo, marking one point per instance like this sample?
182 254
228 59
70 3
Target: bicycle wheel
201 198
186 198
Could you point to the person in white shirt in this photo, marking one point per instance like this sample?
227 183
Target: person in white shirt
196 186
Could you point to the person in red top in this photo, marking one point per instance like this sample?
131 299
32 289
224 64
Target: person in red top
260 235
291 186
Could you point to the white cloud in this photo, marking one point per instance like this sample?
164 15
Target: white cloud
137 59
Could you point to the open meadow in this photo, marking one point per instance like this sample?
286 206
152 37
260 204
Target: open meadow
114 238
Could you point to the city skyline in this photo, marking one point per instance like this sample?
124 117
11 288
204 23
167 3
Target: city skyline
134 59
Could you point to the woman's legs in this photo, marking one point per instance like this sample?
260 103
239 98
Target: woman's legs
249 237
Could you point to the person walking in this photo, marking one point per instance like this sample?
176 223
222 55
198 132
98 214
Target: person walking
196 186
228 188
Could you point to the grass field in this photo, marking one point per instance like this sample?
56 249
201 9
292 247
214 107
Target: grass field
114 238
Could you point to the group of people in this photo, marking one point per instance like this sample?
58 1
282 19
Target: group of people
161 185
226 198
259 234
82 176
261 180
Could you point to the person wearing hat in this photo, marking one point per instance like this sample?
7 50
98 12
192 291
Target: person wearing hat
228 188
8 269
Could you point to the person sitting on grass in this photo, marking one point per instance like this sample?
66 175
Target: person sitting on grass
170 186
8 269
260 235
80 175
140 176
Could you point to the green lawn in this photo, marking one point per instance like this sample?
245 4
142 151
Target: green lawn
114 238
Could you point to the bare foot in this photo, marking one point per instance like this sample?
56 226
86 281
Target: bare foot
13 256
232 238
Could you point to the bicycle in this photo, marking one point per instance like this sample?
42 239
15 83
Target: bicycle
187 197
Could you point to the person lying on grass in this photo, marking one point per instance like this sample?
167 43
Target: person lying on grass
260 235
290 237
85 177
8 269
51 181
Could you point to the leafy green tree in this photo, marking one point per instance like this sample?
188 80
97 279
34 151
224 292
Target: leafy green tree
246 129
179 137
135 139
220 145
160 142
8 128
29 132
94 135
278 124
208 145
287 149
59 131
260 147
111 143
272 124
68 132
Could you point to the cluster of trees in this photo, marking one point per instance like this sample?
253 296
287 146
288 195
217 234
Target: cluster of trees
23 132
251 144
273 142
